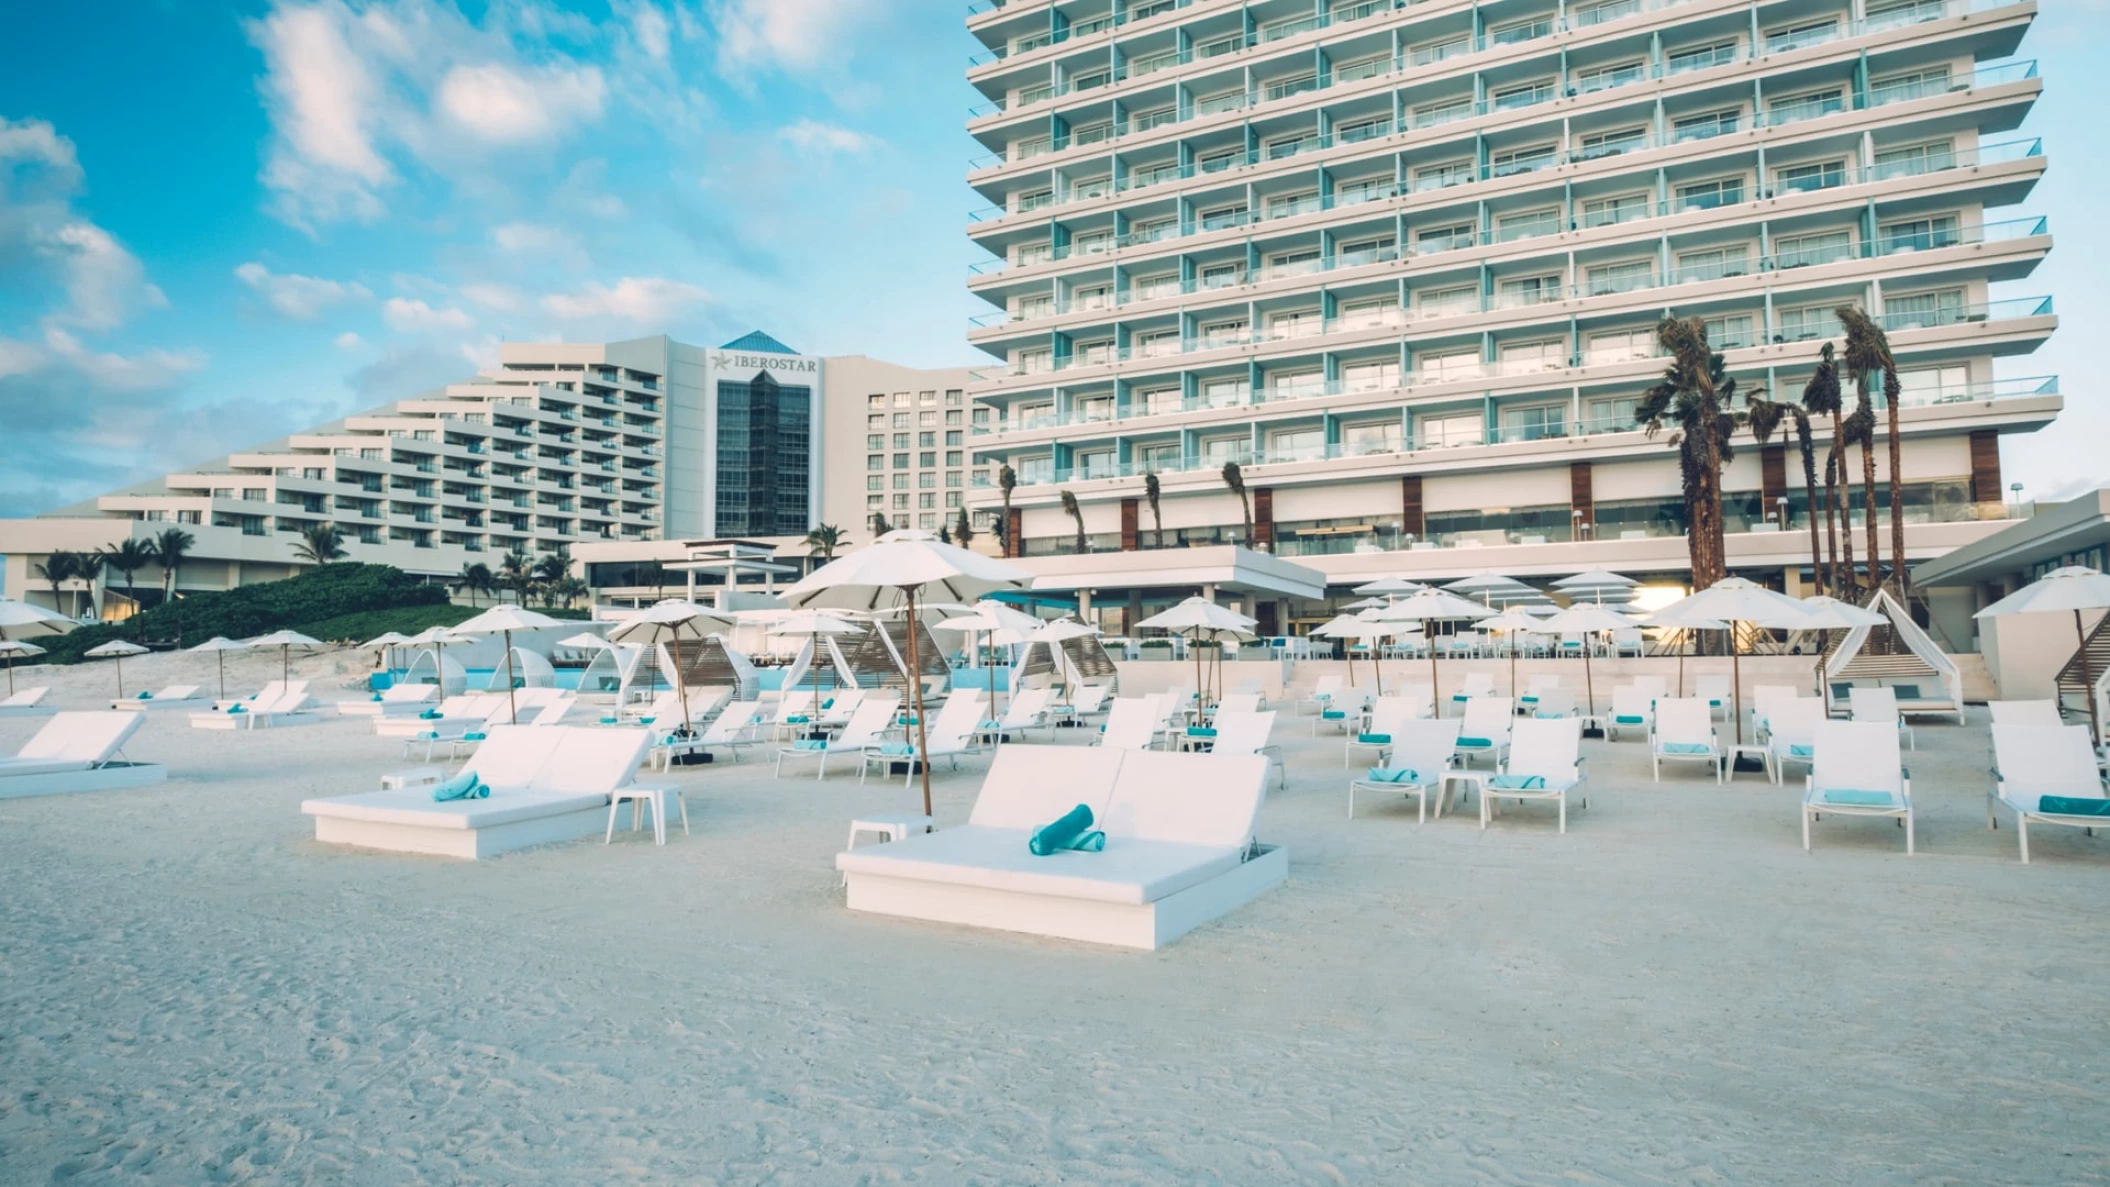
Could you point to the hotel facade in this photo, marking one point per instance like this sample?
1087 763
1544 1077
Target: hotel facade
1403 263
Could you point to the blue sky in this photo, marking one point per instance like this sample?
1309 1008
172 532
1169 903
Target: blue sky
223 221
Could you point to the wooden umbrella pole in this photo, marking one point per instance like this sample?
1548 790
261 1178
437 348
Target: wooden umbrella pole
1377 655
680 681
1736 681
915 676
1435 705
512 706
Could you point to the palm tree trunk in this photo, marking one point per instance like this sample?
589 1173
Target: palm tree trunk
1809 485
1868 485
1891 392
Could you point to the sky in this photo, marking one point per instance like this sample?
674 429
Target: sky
221 222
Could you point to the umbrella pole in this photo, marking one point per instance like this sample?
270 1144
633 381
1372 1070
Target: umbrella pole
1683 644
120 677
219 655
680 678
1435 705
1589 682
2095 727
1736 681
285 663
10 675
512 707
1377 657
915 678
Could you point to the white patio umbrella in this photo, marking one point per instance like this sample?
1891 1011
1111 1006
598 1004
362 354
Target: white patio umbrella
669 621
1054 634
1367 603
990 618
15 649
2071 589
1356 629
286 641
220 645
1597 584
1588 618
436 637
1198 618
1390 587
20 620
1485 585
116 650
1431 605
385 642
1831 614
894 570
503 620
812 625
1514 620
1686 624
1733 600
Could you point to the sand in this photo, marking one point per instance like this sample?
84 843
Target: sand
193 991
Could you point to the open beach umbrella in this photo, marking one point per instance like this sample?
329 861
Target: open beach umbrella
1596 585
1685 623
1431 605
1356 629
1198 618
1733 600
20 620
437 638
286 641
1831 614
15 649
1389 587
893 571
503 621
812 625
990 618
2071 589
668 621
220 645
1588 618
386 642
1514 620
1367 603
1054 634
116 650
1486 586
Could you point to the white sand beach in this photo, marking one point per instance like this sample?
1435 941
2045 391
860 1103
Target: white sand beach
192 990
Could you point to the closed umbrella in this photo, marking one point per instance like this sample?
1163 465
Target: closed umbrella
2071 589
1733 600
1198 618
503 621
893 571
285 641
220 645
669 621
116 649
1589 619
15 649
1431 605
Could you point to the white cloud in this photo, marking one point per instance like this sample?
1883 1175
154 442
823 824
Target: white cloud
323 98
302 298
795 34
506 107
37 141
150 370
348 341
416 317
500 297
104 282
645 300
813 137
649 27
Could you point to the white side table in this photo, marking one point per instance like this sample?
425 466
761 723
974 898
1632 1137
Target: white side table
640 796
414 777
1739 750
1477 778
894 826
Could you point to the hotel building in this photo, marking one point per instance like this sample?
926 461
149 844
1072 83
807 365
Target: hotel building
1403 263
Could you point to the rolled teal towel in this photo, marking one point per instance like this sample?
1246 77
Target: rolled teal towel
1459 696
1687 748
1201 731
997 725
810 744
375 697
829 703
146 696
905 721
474 736
1795 751
648 719
799 719
1865 799
1333 714
461 787
897 749
1374 739
236 709
1091 842
1477 743
2067 805
608 721
1062 833
1394 775
1629 719
1518 782
1529 700
429 715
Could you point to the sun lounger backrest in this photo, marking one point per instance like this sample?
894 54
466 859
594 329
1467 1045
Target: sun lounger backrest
1546 748
1765 696
2038 760
177 692
409 694
1130 723
267 694
1327 686
554 711
83 737
1555 702
26 698
1476 684
1488 717
1425 746
1715 688
1029 786
842 703
1239 702
1874 704
588 761
1794 719
1387 714
290 701
956 720
513 754
865 724
704 700
1241 732
1088 698
1540 684
1630 701
1856 756
1191 799
2044 713
1654 686
1684 720
1417 695
737 717
1025 706
797 702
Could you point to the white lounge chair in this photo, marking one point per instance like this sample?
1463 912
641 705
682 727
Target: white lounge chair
2046 774
1343 713
1179 849
1760 703
1322 694
797 712
864 729
1791 733
1486 728
548 783
1655 687
552 712
468 724
397 700
30 702
2040 713
175 696
290 706
1132 724
1370 745
1856 770
1881 705
1419 765
77 751
1545 763
736 726
1554 703
452 714
1237 702
1089 700
1023 710
1471 686
1237 731
1535 691
1685 731
951 734
1716 692
836 709
1633 709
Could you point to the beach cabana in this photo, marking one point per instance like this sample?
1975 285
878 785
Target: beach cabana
1921 661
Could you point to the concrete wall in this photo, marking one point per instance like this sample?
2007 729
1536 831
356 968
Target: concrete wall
2024 652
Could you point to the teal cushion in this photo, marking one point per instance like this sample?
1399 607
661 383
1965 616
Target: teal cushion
147 696
1459 696
1795 751
1865 799
1476 743
1905 692
1394 775
1201 731
797 719
1528 700
1518 782
810 744
829 703
608 721
1333 714
1061 833
648 719
2066 805
430 715
236 709
1374 739
1686 748
897 749
473 736
1629 719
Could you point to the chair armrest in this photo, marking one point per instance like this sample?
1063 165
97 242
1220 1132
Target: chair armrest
1582 768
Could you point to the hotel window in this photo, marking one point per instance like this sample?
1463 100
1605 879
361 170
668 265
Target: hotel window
875 461
981 415
929 500
1430 52
1805 324
874 502
1090 297
1218 450
1521 95
876 421
926 419
901 440
952 436
1230 332
875 441
1618 208
952 497
1623 277
1449 173
1223 392
1919 234
1528 224
1362 189
1448 302
926 440
1449 432
928 457
1294 323
187 517
1443 111
1033 362
1706 195
900 502
1216 276
1803 251
901 399
875 401
1797 36
1523 160
1029 308
1914 159
1289 385
875 482
1038 468
1705 127
1934 385
1370 376
1514 32
1730 332
1454 364
223 492
1159 400
1712 265
1921 310
1611 144
1092 354
952 398
1700 57
1091 243
1149 288
1449 238
1363 129
1086 188
900 482
1527 290
1155 458
1156 344
1377 436
1368 313
952 417
1610 416
1544 354
1094 463
252 494
1093 408
1356 252
901 420
1539 422
1286 205
1296 445
901 461
927 521
952 478
1620 346
1218 218
1821 175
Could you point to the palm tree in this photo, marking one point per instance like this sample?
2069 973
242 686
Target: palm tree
552 568
87 569
1235 479
169 549
1868 352
1861 431
879 524
1007 481
825 538
1695 396
1820 397
1157 518
1076 514
58 569
128 558
474 579
320 543
565 591
516 571
1766 416
963 530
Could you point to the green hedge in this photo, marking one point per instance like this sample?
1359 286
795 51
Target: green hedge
320 596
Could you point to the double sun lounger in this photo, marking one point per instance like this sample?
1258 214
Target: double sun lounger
78 751
175 696
279 703
30 702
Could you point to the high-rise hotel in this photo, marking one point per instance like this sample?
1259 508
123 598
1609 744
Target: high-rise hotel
1403 263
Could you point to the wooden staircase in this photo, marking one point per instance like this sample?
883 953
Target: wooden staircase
2072 691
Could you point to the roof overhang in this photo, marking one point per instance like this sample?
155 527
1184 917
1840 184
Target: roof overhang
2053 532
1227 567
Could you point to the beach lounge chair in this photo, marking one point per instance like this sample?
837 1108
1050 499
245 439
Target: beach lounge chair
1237 702
471 722
1234 731
797 712
1685 730
1655 686
1486 728
454 711
1343 713
1545 763
266 695
1856 770
863 729
175 696
289 706
1419 765
1633 709
1023 710
1881 705
1553 703
1132 724
77 751
1254 689
1760 702
1791 733
552 712
548 783
2043 713
1539 687
951 734
1471 685
733 728
1087 701
836 710
1715 691
1179 849
1322 694
2046 774
397 700
1370 744
28 703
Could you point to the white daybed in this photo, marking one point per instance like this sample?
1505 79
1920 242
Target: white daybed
291 707
1179 849
78 751
175 696
28 703
548 783
397 700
